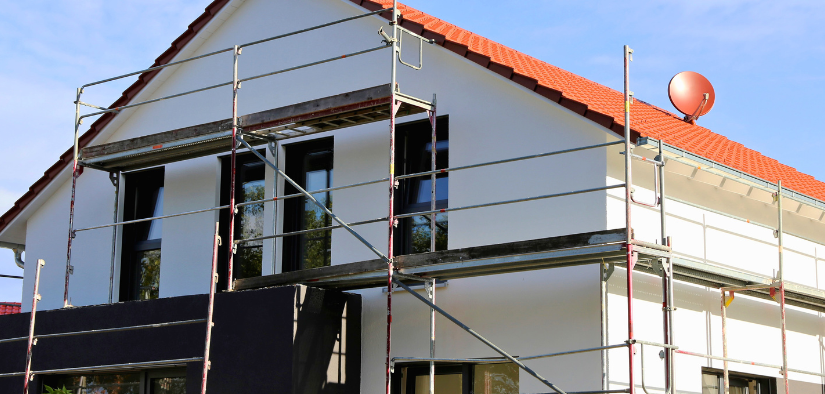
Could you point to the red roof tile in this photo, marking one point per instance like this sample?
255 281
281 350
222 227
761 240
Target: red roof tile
9 308
590 99
600 103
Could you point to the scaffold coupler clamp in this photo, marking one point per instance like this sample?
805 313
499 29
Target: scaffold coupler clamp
630 343
387 39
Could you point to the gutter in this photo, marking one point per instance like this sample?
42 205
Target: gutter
18 250
734 174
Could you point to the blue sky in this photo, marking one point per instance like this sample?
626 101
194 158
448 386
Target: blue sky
765 59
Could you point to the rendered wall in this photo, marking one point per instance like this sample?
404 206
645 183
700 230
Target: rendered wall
698 234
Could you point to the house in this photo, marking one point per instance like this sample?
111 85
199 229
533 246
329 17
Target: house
531 253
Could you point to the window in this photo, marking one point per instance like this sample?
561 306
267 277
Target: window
413 154
249 221
168 381
739 383
457 379
140 257
309 164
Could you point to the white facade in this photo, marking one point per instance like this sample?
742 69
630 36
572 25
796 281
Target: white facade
489 118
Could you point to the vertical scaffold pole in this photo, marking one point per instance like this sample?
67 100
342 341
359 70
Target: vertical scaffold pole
213 283
431 115
71 203
274 148
115 178
391 215
35 300
667 278
628 57
781 275
725 375
232 208
431 293
603 276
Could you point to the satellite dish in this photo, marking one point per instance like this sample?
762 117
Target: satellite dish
691 94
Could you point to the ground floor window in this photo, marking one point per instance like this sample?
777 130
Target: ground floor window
457 378
167 381
739 383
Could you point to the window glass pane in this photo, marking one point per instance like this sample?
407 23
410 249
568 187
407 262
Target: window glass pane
425 189
495 379
176 385
250 219
155 226
148 274
316 180
316 246
450 383
96 384
421 233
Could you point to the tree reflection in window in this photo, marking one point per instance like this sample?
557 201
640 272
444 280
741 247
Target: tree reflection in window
310 165
250 219
173 385
96 384
316 247
414 154
141 258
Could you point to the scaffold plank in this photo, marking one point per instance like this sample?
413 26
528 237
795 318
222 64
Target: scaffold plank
567 250
314 116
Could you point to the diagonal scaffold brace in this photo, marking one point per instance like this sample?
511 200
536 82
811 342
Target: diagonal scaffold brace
479 337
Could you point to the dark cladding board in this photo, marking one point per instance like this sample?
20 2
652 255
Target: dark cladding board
252 346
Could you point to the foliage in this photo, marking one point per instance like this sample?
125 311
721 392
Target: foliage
63 390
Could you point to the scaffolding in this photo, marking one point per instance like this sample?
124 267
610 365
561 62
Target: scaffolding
386 102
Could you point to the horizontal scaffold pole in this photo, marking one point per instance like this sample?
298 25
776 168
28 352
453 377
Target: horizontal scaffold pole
738 361
480 338
314 201
520 158
229 49
595 189
307 231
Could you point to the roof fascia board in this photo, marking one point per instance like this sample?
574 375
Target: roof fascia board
729 172
65 174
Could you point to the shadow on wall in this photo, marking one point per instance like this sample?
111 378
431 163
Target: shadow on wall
320 342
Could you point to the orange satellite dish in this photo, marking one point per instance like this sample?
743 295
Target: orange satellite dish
691 94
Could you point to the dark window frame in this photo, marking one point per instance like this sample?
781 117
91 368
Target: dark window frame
416 369
420 131
765 381
146 377
241 158
292 254
131 242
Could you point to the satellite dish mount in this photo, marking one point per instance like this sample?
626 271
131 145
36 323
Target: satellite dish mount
691 94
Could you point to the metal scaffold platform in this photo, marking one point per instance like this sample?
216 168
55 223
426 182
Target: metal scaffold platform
316 116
